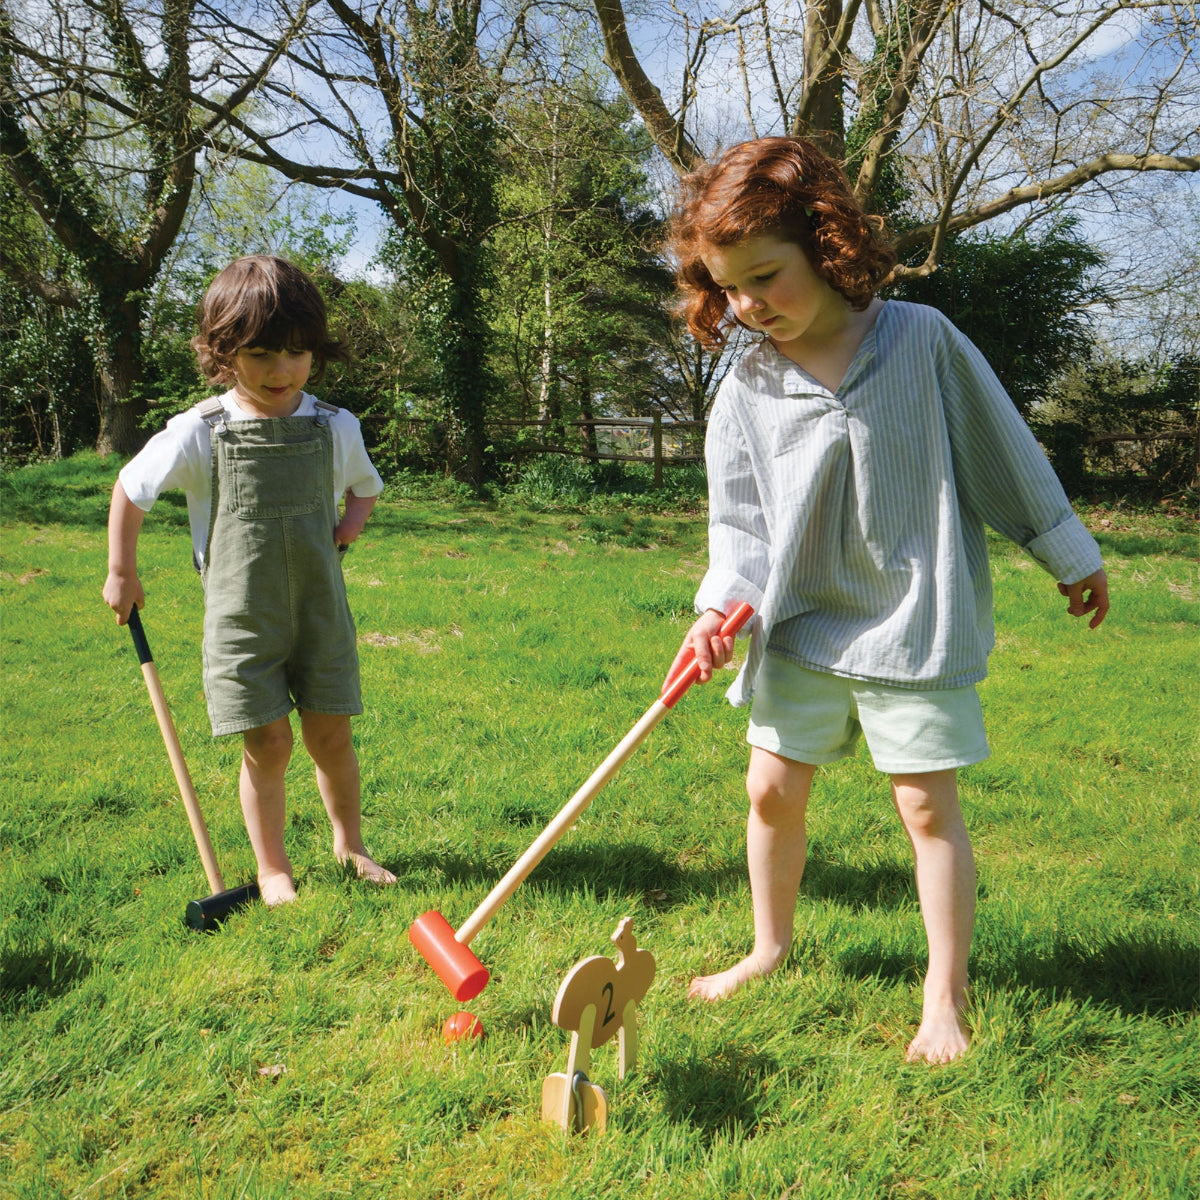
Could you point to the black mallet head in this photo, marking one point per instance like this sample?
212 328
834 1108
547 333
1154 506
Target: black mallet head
205 915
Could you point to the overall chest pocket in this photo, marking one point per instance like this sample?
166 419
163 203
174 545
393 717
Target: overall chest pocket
266 481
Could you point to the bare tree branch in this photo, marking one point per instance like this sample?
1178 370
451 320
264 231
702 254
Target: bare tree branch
1069 181
666 130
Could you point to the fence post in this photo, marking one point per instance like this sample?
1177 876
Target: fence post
658 457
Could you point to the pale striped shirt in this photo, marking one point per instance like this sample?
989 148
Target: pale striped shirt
853 521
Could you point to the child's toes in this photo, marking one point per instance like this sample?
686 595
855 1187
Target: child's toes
940 1039
367 868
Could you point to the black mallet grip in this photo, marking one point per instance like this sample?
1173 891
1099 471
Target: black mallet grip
139 637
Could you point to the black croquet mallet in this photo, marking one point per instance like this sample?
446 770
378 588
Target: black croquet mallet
208 913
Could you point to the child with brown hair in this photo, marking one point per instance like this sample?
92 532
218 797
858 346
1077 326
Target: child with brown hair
854 456
264 468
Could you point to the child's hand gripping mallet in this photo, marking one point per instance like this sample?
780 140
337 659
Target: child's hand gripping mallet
211 910
448 952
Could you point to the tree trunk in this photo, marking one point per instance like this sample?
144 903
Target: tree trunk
665 127
549 400
822 115
458 342
118 359
587 410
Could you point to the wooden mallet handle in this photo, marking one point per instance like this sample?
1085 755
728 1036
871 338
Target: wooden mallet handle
448 952
175 753
570 812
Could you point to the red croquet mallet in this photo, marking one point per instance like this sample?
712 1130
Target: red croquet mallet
448 952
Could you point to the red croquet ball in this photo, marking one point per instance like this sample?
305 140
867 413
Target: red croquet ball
461 1025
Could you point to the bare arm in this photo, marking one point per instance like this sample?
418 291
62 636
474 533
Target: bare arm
355 512
123 588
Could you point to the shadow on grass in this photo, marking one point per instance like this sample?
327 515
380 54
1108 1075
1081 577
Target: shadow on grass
885 885
422 520
1131 545
1137 977
1155 977
1151 976
718 1094
606 868
621 867
32 976
39 502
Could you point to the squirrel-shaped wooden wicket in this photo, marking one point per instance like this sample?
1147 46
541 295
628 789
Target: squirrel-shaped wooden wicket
596 1000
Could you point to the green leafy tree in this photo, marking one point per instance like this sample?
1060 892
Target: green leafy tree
395 102
47 379
1126 417
99 132
447 263
581 298
1025 300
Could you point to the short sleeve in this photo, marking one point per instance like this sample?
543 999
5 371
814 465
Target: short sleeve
356 473
175 457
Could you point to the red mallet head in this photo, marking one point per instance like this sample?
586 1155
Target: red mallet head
455 964
461 1026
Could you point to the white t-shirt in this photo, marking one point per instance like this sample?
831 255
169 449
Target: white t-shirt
180 456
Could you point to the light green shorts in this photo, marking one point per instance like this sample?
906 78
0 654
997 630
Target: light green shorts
813 717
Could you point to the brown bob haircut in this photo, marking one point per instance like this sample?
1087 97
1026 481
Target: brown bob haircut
264 301
773 187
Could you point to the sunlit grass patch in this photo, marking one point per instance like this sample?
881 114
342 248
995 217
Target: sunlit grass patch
505 650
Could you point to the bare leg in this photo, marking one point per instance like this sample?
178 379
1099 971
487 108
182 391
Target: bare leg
945 870
265 754
775 849
327 739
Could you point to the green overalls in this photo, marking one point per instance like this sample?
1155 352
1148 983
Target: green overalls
278 632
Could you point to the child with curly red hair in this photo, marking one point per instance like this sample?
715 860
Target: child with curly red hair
855 455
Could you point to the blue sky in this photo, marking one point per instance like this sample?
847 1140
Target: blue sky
1120 219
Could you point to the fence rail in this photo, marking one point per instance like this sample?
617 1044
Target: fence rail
661 432
656 451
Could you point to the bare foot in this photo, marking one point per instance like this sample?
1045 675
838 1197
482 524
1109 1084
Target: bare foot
275 888
367 868
725 983
942 1037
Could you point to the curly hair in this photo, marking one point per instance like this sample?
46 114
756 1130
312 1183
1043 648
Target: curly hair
265 301
774 187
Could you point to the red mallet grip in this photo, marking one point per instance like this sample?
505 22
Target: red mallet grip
691 672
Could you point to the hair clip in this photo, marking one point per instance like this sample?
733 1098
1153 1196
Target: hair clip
808 212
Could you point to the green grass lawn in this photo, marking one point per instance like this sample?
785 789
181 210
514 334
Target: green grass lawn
298 1054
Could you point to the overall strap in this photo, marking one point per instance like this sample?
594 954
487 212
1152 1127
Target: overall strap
212 410
325 411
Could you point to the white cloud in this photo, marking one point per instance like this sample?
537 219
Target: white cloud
1116 34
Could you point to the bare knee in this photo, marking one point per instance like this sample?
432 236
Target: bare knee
778 788
326 737
928 804
269 747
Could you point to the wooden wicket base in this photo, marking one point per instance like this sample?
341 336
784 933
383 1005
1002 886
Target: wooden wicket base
597 1000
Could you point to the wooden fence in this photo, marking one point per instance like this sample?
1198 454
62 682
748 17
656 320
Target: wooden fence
662 442
666 442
